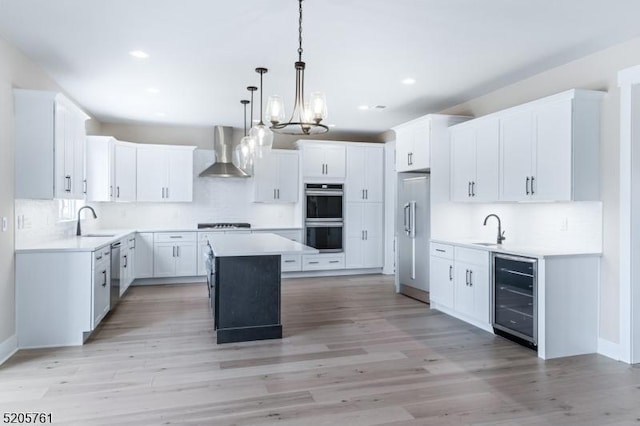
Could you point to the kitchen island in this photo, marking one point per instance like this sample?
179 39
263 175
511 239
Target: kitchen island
247 284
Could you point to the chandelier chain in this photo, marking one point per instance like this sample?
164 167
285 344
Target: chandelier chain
300 31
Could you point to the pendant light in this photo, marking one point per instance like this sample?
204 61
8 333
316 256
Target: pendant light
243 155
261 132
306 118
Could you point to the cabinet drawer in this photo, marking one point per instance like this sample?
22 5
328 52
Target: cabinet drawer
101 256
172 237
316 262
291 262
476 257
442 250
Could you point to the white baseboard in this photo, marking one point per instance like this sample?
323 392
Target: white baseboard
166 281
8 348
330 273
609 349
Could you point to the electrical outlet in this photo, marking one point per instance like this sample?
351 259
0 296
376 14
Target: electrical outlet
5 224
564 224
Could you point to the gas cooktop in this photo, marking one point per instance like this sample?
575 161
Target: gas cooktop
224 225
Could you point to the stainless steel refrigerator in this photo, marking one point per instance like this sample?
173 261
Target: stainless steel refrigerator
413 219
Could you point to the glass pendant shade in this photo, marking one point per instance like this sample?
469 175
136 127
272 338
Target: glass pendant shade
318 106
263 137
247 149
275 109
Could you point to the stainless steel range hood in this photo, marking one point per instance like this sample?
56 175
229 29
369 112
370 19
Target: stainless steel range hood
223 147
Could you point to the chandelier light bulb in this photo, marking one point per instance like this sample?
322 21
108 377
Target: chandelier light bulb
275 109
318 106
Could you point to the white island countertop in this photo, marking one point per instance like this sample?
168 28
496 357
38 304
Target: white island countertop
228 245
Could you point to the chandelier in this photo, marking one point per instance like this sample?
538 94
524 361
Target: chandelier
306 118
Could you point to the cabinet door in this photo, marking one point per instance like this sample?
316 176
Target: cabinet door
79 188
373 235
487 152
288 177
144 255
374 174
101 291
203 249
356 183
463 292
335 161
354 235
553 156
266 178
481 293
441 282
186 259
164 260
421 152
125 172
313 161
63 163
151 174
124 267
404 144
99 158
516 133
463 162
180 180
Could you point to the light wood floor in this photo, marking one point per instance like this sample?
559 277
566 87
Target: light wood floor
354 353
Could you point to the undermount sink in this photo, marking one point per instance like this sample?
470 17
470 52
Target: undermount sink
486 244
99 235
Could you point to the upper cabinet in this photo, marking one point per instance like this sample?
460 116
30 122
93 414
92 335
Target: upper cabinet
323 160
276 177
164 173
50 140
474 160
413 140
549 150
365 172
111 169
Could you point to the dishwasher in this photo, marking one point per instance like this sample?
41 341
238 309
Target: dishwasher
514 301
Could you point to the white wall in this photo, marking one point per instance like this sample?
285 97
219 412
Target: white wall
598 72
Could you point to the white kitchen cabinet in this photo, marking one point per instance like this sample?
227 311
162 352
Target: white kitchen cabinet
164 173
175 254
471 289
550 149
324 160
127 262
111 169
143 265
441 275
101 284
474 161
365 172
323 261
49 151
291 262
364 230
276 177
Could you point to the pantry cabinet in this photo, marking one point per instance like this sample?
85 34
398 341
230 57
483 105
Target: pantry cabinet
276 177
474 161
49 151
365 173
164 173
364 239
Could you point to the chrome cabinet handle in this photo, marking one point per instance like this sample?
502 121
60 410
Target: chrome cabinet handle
532 180
174 251
278 193
175 236
473 188
363 194
104 278
67 183
527 185
177 251
289 261
167 192
362 235
366 234
470 278
366 194
117 191
110 190
450 272
274 193
98 257
125 261
84 186
467 277
334 261
468 189
313 263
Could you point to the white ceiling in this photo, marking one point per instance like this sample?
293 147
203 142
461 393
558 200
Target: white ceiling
203 52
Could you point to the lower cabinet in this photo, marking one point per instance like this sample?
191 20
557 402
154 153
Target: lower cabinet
322 261
363 243
101 284
290 263
127 262
460 283
175 254
144 255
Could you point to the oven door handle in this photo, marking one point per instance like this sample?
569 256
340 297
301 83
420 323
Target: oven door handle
336 193
324 224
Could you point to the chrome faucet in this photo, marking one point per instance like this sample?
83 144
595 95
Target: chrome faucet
501 236
78 230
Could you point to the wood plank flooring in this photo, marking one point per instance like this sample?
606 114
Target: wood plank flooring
354 353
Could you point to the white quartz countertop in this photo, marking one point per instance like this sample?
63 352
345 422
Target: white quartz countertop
520 250
228 245
91 241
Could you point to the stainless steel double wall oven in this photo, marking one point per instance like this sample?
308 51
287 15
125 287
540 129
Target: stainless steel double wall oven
324 216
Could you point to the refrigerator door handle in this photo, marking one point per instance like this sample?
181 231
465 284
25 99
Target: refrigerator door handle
412 219
406 219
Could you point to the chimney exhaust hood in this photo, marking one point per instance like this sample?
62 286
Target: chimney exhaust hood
223 148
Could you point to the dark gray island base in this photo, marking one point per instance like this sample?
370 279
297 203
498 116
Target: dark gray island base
247 298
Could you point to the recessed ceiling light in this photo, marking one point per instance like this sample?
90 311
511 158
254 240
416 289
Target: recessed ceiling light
153 90
160 114
363 107
332 125
409 81
139 54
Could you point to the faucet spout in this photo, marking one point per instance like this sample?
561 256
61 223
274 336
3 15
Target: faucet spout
501 236
95 216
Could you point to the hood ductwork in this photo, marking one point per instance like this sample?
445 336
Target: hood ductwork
223 148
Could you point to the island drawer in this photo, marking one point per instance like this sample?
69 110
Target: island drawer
172 237
316 262
291 262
